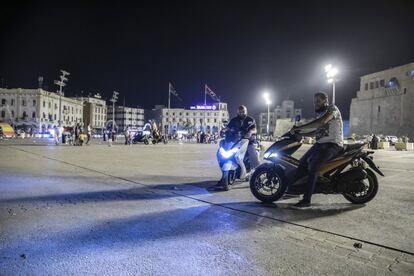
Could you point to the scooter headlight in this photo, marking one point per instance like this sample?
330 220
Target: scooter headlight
228 153
268 155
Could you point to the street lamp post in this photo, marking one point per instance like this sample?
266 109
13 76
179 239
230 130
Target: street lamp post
113 100
61 83
331 73
268 102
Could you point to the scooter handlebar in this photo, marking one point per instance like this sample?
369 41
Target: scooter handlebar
293 134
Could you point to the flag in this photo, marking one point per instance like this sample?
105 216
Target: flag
173 91
211 93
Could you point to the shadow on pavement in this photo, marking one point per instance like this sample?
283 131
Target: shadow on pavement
137 193
284 211
84 237
144 230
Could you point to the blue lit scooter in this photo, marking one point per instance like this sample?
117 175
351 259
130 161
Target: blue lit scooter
232 159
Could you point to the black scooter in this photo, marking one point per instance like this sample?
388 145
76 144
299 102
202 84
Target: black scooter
350 173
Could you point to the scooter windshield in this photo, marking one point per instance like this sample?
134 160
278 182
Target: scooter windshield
233 137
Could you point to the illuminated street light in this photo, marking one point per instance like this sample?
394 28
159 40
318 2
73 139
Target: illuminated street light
61 83
268 102
331 73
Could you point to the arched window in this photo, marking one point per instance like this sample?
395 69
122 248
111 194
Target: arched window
3 114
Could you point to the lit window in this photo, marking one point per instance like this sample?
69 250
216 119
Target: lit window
392 83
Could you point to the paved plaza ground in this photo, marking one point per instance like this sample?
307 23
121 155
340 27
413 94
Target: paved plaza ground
146 210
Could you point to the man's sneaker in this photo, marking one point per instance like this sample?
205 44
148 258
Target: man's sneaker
302 204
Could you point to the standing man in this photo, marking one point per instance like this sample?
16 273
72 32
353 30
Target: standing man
88 133
127 138
56 135
328 129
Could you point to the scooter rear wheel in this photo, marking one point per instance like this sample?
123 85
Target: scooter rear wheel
369 189
268 184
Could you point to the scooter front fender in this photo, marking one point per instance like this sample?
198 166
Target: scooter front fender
270 165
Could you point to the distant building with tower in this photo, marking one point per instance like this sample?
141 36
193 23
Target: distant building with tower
384 103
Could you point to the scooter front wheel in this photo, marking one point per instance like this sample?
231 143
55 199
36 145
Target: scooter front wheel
268 184
227 180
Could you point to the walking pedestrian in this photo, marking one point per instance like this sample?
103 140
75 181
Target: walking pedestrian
127 136
81 138
77 132
89 133
56 135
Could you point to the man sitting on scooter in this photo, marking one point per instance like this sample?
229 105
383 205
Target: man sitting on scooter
328 129
247 126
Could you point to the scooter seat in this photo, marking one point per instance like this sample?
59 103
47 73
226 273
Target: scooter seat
351 147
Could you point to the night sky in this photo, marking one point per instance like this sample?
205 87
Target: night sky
238 48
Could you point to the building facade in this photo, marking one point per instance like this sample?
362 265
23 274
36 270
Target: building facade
38 108
384 103
94 112
127 117
209 118
286 111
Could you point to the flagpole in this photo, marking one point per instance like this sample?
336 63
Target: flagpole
169 107
205 103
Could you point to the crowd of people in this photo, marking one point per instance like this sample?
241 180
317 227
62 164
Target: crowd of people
78 135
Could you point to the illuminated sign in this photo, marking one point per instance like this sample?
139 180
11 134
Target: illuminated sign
204 107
